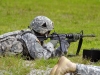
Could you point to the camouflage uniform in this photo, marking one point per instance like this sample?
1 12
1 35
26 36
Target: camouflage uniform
82 69
9 45
26 41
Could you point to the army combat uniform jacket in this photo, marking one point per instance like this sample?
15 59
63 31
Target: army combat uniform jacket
25 42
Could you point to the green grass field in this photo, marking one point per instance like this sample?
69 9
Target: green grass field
69 16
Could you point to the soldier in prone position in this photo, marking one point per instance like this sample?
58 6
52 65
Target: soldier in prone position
27 43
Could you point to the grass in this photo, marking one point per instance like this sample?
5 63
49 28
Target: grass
69 16
13 66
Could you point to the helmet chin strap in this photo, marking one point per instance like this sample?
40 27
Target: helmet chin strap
46 35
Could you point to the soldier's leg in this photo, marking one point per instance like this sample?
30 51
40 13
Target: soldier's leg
87 69
66 66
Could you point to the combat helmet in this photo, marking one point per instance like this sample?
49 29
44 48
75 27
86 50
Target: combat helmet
41 24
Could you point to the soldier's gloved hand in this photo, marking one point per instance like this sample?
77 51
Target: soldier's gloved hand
76 37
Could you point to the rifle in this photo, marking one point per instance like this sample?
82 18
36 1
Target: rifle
70 38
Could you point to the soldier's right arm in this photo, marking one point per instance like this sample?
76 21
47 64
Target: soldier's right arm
34 47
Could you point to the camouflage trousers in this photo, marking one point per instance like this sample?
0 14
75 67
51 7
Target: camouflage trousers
10 46
87 70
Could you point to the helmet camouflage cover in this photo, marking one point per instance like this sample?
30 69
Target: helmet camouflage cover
41 24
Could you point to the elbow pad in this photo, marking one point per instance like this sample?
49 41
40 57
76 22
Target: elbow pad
49 46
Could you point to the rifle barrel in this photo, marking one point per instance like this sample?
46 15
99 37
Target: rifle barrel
91 35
